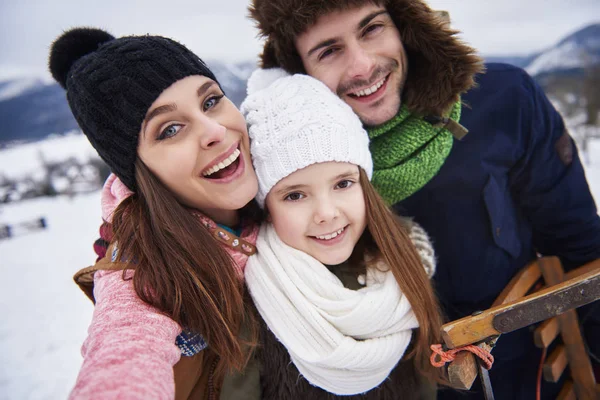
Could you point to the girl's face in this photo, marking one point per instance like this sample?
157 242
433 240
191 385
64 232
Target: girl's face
195 141
320 210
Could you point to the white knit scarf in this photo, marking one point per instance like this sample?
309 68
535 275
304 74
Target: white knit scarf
341 340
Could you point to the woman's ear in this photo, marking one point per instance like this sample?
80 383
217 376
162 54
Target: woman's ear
269 219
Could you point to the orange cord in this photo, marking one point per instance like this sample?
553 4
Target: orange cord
448 356
538 386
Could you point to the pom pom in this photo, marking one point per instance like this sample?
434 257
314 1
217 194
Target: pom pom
263 78
70 47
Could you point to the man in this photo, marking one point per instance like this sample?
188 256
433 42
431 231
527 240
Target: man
512 187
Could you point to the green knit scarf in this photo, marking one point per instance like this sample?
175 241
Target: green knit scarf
407 153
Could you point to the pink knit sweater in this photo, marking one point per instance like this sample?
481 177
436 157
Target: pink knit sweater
130 350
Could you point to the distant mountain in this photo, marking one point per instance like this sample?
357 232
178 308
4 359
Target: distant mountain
519 61
32 109
233 78
568 57
33 112
571 55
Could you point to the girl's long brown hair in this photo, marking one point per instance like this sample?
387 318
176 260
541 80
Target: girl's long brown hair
387 238
182 271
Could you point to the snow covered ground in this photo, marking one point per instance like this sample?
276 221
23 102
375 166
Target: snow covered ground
593 170
44 315
28 159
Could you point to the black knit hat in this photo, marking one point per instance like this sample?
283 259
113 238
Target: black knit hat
111 83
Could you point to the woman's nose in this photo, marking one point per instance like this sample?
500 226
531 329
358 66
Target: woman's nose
212 133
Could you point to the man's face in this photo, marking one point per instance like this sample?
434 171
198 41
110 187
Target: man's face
358 54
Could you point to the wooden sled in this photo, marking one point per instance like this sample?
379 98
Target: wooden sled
554 305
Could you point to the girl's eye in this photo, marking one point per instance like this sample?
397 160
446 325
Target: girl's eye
344 184
212 102
169 131
293 197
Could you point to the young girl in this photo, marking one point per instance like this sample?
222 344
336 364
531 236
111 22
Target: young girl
336 278
180 152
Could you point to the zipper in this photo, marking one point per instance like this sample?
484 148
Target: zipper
211 383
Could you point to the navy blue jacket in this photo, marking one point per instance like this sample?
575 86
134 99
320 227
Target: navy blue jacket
508 190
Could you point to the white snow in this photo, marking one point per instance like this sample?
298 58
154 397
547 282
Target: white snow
44 314
17 87
592 169
566 56
28 158
21 84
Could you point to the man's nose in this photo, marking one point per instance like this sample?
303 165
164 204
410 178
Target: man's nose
360 62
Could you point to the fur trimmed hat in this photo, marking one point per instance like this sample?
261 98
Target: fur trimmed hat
111 83
440 66
296 121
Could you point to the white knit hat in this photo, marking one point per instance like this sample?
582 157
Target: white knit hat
296 121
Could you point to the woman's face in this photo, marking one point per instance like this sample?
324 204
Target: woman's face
195 141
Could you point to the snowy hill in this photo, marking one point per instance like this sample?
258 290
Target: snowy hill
31 108
519 61
570 55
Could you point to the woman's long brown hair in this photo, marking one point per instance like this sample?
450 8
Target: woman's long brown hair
180 270
387 238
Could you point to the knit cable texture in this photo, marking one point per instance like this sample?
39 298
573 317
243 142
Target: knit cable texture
407 153
341 340
296 121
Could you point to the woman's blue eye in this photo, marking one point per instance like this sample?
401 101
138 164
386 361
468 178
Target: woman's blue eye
169 131
293 196
211 102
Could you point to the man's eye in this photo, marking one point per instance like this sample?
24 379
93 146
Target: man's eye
373 28
327 53
169 131
293 197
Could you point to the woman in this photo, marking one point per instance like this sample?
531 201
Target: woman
157 116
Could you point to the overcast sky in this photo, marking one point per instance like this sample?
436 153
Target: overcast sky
219 29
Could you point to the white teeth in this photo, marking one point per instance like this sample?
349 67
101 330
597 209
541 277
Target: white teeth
330 236
370 90
223 164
